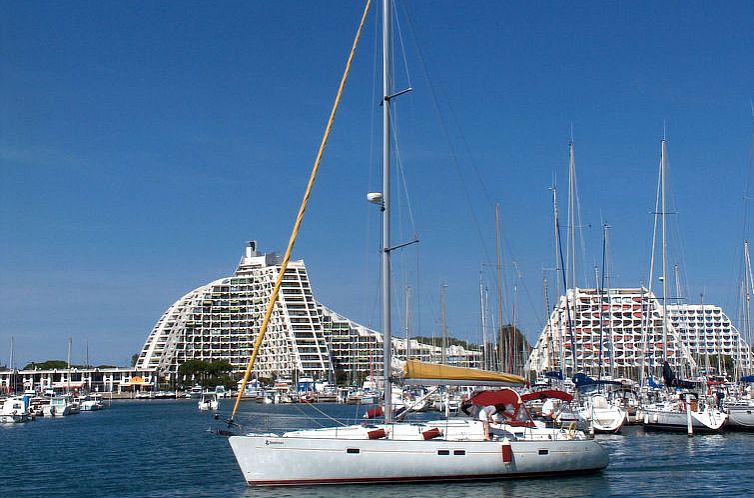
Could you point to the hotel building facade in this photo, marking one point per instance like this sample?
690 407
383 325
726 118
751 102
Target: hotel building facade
220 321
621 332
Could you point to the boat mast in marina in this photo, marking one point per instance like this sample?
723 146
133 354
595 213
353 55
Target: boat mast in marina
663 171
559 274
483 321
444 326
387 95
500 331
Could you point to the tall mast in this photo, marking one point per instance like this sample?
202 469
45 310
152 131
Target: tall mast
602 302
483 319
683 321
70 342
386 93
663 166
571 239
747 317
12 370
503 365
606 271
568 309
408 322
444 340
706 345
550 331
558 268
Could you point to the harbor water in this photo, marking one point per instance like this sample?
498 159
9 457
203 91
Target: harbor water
163 448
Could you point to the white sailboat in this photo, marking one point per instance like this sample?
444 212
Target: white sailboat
683 411
445 450
740 409
741 415
684 414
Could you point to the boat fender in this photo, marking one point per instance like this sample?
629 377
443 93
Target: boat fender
507 451
377 434
432 433
374 413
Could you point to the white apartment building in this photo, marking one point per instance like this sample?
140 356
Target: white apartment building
630 325
220 321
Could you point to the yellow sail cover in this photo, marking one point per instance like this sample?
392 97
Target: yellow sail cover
445 374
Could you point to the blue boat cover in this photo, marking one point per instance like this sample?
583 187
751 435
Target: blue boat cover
748 378
555 374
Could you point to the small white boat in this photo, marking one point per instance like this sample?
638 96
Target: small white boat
14 410
208 402
195 392
605 417
60 406
90 403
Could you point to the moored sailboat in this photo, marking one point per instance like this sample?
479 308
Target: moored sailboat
444 450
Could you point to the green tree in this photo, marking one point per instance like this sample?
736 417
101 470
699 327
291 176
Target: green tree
196 369
452 341
218 368
47 365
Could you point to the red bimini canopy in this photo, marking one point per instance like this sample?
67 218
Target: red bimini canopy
503 397
548 393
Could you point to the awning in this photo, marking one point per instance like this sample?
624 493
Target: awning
417 372
548 393
135 381
491 398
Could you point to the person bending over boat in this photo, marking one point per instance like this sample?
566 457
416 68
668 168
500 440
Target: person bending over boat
489 415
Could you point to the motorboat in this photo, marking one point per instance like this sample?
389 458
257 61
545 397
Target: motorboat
60 406
604 416
90 402
14 410
208 402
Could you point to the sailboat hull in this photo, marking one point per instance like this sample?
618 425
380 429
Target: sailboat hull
706 421
741 417
268 460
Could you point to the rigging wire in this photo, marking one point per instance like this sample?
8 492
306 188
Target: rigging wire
299 217
369 266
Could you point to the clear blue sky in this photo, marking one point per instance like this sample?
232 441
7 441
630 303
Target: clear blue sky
143 143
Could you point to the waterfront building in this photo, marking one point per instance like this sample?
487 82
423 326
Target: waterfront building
220 321
708 331
100 379
621 330
357 350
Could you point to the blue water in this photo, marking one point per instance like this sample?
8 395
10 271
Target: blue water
162 448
